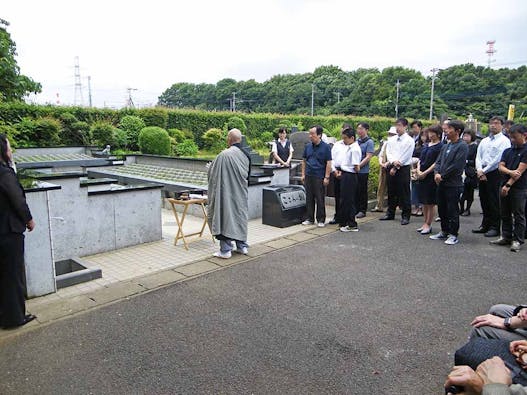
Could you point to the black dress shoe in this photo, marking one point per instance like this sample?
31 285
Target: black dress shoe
405 221
386 218
27 318
481 229
492 233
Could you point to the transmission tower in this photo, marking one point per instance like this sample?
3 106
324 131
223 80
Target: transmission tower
77 97
491 51
129 101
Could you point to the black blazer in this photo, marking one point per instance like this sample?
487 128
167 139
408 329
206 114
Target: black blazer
14 212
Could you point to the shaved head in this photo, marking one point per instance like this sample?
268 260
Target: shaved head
234 136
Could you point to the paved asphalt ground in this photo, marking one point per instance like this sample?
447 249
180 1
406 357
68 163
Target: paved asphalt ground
375 312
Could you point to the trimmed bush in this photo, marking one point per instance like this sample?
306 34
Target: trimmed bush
267 137
132 125
11 134
214 139
186 148
177 135
42 132
154 116
238 123
104 133
154 140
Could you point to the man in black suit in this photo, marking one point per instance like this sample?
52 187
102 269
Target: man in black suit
15 217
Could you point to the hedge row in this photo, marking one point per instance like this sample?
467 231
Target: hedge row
195 121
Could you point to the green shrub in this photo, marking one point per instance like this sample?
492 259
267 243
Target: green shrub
11 134
132 125
80 131
266 137
104 133
186 148
74 132
177 135
236 123
154 140
373 178
214 139
42 132
154 116
120 138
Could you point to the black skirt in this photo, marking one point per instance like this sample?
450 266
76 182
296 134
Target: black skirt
427 190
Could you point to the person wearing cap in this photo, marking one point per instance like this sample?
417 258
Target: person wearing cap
487 160
513 192
448 177
399 152
381 189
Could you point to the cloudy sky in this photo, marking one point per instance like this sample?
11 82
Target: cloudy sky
149 45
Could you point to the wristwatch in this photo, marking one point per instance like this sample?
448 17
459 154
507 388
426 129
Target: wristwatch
507 323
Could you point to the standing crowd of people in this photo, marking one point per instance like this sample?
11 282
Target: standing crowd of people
422 169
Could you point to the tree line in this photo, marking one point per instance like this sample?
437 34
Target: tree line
458 90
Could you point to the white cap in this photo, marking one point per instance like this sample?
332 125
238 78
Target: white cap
392 130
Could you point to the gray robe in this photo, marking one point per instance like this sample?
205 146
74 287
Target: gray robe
228 207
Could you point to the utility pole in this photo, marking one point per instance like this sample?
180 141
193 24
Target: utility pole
491 51
89 91
312 99
130 102
397 85
233 101
77 96
434 71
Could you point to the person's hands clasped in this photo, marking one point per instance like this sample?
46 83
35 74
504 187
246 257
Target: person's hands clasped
494 371
515 174
522 314
518 348
465 376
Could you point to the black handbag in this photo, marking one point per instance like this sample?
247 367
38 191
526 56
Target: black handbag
479 349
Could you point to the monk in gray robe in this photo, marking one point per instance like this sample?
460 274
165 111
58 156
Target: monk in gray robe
228 207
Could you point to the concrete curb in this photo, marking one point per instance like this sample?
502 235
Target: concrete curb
55 310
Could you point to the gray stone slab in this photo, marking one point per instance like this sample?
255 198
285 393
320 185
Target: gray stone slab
280 243
157 280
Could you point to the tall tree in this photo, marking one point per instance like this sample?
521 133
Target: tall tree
13 85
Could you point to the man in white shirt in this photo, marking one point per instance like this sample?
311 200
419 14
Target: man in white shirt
490 150
349 182
337 154
399 152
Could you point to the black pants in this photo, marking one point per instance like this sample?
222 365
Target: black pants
513 208
315 194
448 208
399 192
12 279
468 194
348 199
489 195
336 190
362 194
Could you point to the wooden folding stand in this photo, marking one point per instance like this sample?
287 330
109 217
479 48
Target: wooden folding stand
186 203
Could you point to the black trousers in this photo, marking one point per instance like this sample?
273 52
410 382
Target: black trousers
12 279
348 199
448 208
468 194
362 194
513 209
399 192
315 194
336 190
489 195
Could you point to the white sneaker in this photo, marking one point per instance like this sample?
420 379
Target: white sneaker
222 255
321 224
349 229
451 240
439 236
515 246
244 251
308 222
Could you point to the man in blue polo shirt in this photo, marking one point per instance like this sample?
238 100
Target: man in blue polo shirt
316 168
513 191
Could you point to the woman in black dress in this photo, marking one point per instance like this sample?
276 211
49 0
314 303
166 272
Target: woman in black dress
425 175
15 217
471 179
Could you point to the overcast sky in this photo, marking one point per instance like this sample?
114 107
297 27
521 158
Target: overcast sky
149 45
